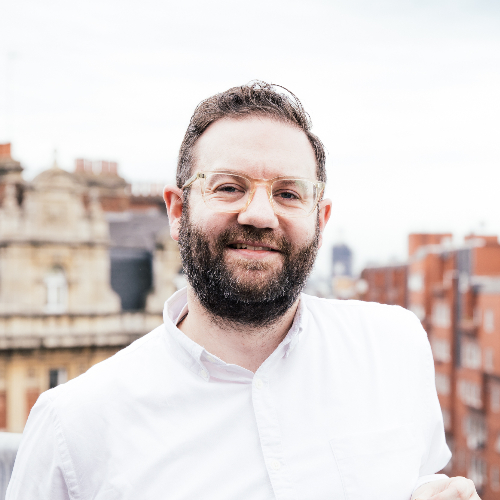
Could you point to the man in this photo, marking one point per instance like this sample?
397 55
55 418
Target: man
250 389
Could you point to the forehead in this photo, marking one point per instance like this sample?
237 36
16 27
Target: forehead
260 147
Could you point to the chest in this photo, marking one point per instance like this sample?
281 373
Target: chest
300 432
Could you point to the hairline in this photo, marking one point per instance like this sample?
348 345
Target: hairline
255 99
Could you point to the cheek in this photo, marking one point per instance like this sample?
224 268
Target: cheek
300 232
208 221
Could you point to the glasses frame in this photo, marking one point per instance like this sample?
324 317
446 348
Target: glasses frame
320 187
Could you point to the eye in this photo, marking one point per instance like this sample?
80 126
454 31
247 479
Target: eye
228 188
287 195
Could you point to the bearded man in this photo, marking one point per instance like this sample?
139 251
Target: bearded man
250 389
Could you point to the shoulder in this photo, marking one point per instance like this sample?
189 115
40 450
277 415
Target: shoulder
86 416
364 320
372 341
333 308
113 378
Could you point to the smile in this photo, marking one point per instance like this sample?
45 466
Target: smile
244 246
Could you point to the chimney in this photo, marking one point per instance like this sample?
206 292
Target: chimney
79 166
113 168
5 150
104 167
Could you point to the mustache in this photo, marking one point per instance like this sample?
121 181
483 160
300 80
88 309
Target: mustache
265 236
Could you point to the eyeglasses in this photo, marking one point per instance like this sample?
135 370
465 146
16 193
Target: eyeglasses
231 193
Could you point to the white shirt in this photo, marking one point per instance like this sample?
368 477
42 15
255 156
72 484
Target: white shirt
345 408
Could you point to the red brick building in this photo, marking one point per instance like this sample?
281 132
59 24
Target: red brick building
455 292
386 284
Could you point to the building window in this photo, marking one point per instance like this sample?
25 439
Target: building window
463 283
31 397
489 321
441 349
474 429
495 478
442 383
495 398
441 316
471 355
415 282
57 291
476 316
57 376
477 471
470 393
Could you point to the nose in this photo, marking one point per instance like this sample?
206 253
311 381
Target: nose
259 212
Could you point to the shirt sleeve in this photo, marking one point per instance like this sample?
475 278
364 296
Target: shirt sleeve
437 454
42 469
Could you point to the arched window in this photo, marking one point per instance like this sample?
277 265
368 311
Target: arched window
57 291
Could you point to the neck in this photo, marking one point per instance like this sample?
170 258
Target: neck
241 345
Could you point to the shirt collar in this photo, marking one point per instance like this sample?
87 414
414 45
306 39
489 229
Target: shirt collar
206 364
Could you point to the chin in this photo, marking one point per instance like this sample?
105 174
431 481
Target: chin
253 269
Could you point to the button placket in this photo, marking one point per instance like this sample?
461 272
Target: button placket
270 438
259 383
275 464
204 374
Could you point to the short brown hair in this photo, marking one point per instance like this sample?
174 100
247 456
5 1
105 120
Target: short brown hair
254 98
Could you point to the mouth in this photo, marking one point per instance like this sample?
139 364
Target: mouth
252 246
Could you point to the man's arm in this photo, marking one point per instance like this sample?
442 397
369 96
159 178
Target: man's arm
42 468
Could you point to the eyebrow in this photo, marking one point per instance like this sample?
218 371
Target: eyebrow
244 174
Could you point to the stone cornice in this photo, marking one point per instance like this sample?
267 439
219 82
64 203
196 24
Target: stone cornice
74 330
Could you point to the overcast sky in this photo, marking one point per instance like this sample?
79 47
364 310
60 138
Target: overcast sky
404 94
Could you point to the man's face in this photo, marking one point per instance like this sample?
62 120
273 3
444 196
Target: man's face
249 285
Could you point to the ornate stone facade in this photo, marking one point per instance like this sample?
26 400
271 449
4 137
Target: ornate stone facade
59 314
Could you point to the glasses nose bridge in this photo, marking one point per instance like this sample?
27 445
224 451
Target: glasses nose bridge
260 182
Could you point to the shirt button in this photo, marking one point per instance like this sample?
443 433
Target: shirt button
211 359
275 464
259 384
204 374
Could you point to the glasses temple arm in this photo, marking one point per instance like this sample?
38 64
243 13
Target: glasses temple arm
190 181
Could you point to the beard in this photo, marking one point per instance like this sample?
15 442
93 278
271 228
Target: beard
261 292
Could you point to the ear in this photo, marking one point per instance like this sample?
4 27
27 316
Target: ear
325 211
173 200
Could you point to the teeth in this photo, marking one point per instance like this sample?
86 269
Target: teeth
248 247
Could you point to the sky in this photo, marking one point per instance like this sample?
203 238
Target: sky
404 95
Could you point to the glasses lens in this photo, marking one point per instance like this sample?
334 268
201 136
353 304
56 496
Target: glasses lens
225 192
294 197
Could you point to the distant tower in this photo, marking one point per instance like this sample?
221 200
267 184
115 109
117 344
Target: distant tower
342 260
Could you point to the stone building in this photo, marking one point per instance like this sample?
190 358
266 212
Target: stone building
63 306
